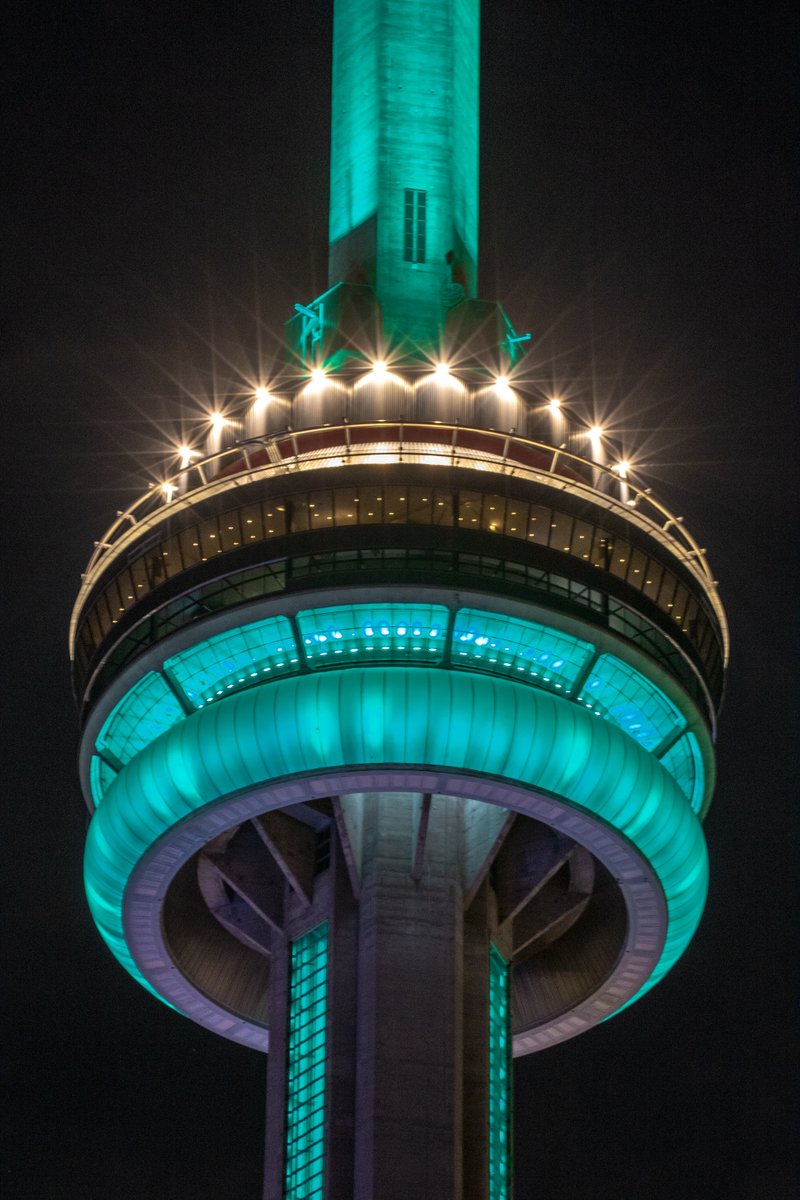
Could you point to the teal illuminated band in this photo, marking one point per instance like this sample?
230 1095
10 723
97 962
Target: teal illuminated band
419 633
363 717
305 1068
499 1078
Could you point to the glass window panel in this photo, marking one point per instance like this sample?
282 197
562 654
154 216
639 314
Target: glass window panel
667 590
602 548
689 622
685 764
582 535
299 513
94 626
442 507
618 693
104 613
395 505
517 516
252 523
125 588
345 503
370 505
101 776
539 524
652 579
469 509
561 532
373 633
230 533
208 536
190 546
522 649
274 517
170 551
620 558
420 505
637 569
147 710
494 513
679 601
230 661
320 509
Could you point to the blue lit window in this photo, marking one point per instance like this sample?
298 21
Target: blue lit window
373 633
305 1074
685 764
230 661
521 649
148 710
499 1078
620 694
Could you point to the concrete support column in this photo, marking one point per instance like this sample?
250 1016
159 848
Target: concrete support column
409 1059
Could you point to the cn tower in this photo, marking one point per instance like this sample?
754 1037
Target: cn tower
398 699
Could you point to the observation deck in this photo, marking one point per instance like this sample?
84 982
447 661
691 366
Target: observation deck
376 518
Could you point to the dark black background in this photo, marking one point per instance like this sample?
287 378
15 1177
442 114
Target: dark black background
165 180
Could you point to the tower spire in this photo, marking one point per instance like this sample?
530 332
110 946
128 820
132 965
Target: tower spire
404 157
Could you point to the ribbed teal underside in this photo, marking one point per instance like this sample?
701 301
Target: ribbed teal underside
372 716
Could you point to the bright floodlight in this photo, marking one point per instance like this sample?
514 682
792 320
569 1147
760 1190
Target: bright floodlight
185 455
622 468
217 421
318 376
262 397
503 387
442 371
554 405
379 369
595 433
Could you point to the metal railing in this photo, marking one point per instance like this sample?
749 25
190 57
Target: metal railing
254 459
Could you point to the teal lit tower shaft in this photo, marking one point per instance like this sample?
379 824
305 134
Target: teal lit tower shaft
404 156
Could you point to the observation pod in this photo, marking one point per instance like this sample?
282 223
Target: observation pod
398 709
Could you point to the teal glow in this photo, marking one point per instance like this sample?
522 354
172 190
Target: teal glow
101 776
499 1078
148 709
623 695
450 720
233 660
305 1067
541 656
684 762
373 632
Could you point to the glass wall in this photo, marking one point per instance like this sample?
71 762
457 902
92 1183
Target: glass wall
396 504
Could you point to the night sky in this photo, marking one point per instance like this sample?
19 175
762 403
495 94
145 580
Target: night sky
165 200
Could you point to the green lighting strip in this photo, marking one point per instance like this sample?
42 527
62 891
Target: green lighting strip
305 1075
499 1078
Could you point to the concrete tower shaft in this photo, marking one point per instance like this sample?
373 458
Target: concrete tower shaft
404 157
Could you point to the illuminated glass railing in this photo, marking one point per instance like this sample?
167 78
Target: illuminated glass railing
685 764
382 632
499 1078
619 693
505 645
362 634
305 1074
229 660
147 710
